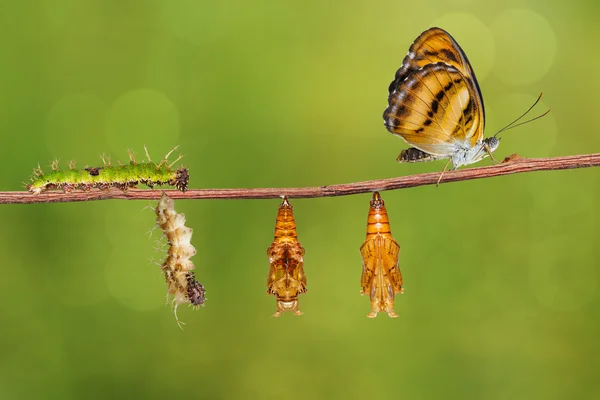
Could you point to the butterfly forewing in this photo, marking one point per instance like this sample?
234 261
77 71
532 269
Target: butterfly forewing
435 110
434 102
433 46
381 253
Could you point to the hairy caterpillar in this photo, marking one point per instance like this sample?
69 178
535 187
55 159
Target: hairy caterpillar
381 276
286 258
122 176
178 267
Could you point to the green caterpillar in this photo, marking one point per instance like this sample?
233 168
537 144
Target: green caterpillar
122 176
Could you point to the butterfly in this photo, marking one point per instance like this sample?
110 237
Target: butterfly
435 104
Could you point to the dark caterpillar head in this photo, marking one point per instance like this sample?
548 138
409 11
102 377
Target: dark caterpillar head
195 291
93 171
182 178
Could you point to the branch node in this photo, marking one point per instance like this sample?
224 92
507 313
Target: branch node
512 158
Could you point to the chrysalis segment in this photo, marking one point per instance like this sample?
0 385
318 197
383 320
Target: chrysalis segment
178 267
286 279
381 277
122 176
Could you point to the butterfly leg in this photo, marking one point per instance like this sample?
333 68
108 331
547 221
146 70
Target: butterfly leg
487 150
442 174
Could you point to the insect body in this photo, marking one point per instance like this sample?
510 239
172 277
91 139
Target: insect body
178 267
119 176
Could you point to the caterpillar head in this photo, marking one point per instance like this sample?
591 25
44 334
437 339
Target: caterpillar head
182 178
195 291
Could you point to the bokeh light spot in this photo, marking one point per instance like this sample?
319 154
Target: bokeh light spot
561 274
142 116
474 38
195 21
73 123
133 284
131 275
526 46
535 139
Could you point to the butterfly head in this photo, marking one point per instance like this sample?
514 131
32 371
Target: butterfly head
492 143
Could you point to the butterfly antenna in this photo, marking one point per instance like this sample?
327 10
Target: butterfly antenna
511 125
529 120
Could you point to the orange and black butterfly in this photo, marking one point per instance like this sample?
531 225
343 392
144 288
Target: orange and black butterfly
435 104
381 277
286 279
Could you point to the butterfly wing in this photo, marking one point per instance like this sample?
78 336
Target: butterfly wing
286 273
433 46
381 277
390 250
381 253
369 253
437 110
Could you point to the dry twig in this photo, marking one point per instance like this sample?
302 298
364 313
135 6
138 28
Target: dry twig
511 165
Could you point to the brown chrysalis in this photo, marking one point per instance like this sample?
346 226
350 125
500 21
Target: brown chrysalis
381 277
286 258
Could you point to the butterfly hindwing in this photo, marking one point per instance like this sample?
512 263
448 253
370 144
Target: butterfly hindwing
436 109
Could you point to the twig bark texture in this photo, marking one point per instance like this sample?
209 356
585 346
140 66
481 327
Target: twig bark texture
511 165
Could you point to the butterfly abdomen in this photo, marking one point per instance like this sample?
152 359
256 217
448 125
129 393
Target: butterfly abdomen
415 155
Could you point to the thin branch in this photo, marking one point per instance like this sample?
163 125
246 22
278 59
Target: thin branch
511 165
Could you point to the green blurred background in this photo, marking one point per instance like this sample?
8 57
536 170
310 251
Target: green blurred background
501 274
